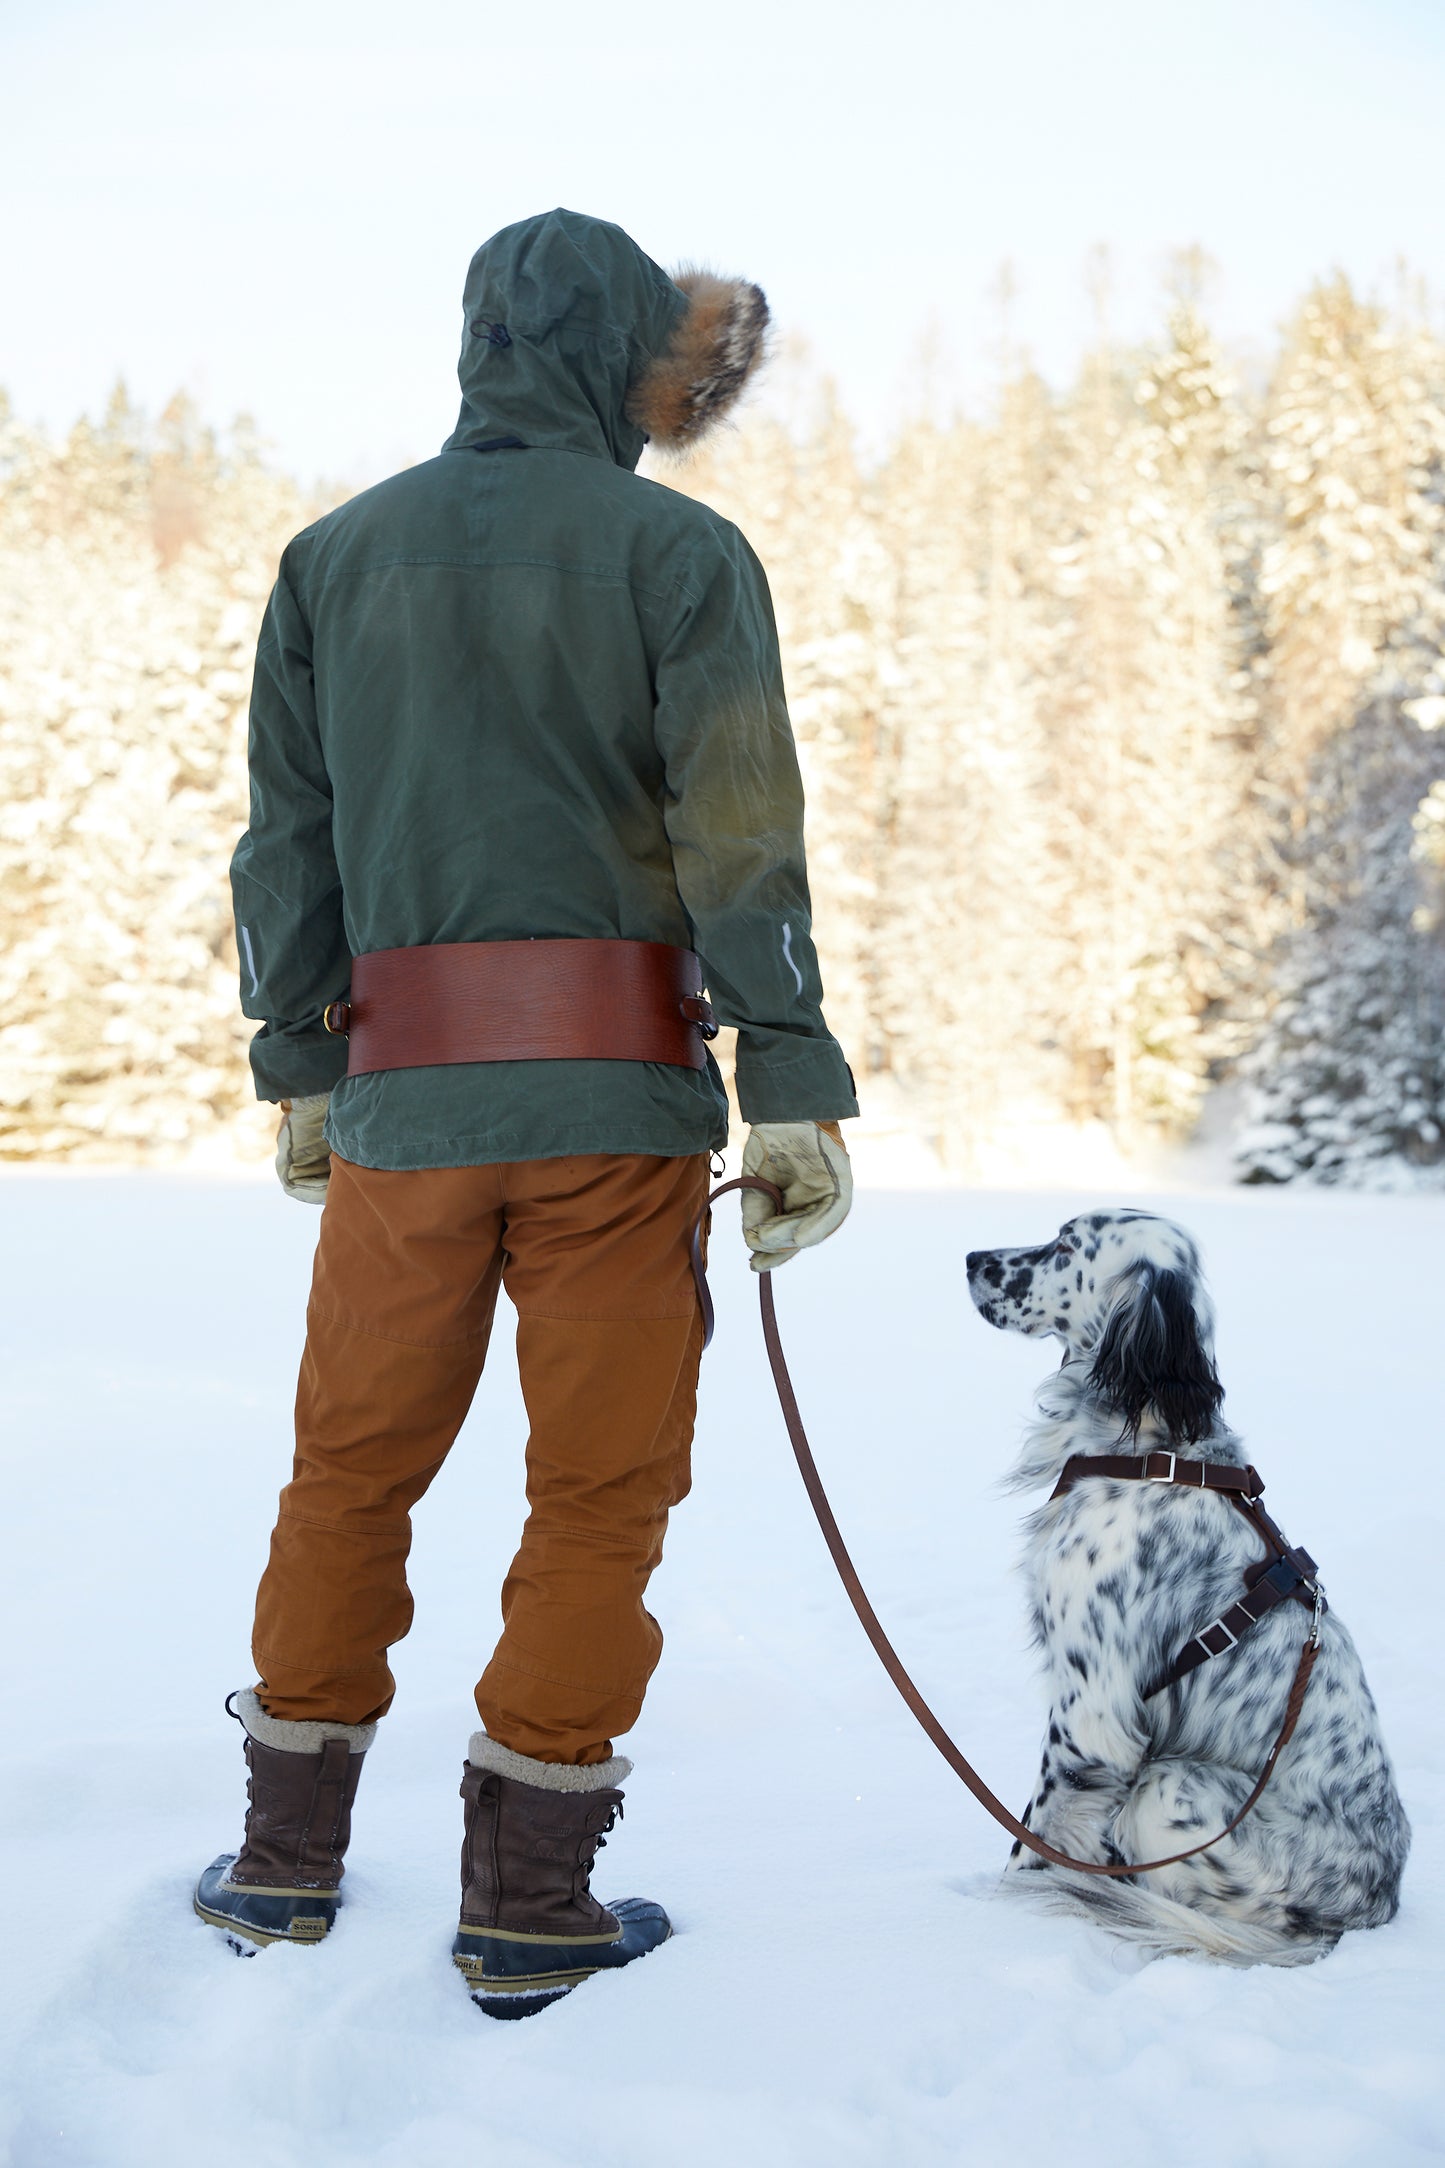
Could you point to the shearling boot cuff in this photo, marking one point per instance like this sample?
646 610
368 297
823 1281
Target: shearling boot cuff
297 1738
548 1776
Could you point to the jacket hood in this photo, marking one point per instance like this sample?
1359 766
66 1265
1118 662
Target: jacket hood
574 340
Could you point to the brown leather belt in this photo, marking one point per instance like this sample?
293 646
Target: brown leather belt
416 1008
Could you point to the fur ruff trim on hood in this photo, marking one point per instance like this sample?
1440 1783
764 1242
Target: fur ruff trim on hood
576 341
301 1737
485 1753
714 349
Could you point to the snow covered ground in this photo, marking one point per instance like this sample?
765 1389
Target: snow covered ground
841 1990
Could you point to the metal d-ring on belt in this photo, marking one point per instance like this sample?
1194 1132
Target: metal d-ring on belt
888 1655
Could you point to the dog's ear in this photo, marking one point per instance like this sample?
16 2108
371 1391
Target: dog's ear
1152 1355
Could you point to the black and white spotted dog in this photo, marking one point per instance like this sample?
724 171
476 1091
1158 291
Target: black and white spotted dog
1121 1575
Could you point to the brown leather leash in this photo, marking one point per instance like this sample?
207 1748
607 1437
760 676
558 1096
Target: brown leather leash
883 1647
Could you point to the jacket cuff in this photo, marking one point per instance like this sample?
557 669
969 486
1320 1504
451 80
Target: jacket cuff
298 1064
784 1078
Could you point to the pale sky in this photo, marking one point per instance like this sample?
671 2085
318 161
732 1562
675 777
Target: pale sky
273 205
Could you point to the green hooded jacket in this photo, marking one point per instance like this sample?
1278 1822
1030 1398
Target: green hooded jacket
517 691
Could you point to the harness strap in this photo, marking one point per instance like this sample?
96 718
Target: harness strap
883 1647
1279 1580
1161 1467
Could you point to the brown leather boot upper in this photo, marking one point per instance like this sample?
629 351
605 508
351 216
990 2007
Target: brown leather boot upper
298 1822
527 1856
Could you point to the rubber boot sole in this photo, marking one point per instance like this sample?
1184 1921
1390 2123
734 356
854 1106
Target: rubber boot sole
252 1918
506 1980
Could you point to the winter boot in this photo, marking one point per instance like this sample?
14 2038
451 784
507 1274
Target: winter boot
531 1930
284 1884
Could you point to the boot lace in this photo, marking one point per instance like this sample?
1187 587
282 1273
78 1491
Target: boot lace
250 1773
599 1839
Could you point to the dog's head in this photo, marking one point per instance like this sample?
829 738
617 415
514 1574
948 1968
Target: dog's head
1124 1292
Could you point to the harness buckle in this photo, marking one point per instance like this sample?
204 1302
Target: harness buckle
1217 1625
1283 1576
1173 1460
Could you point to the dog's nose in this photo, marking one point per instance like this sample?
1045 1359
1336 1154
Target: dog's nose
974 1257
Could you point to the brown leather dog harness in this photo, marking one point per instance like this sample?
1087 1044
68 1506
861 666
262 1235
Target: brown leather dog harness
1285 1571
1083 1464
457 1001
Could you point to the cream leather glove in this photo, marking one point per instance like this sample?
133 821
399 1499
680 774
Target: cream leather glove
809 1164
303 1157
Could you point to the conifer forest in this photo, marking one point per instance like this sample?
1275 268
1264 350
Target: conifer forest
1121 712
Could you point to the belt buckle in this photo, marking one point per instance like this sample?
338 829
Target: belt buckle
1160 1454
698 1010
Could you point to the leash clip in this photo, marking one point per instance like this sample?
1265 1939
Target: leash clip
1318 1588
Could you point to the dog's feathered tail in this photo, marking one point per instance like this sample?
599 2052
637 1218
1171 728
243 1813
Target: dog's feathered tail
1163 1928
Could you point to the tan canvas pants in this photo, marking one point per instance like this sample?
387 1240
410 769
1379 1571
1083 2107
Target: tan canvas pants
594 1254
